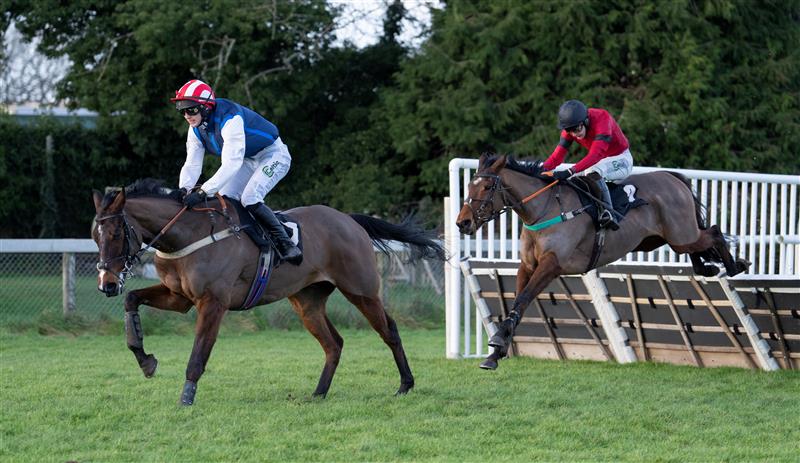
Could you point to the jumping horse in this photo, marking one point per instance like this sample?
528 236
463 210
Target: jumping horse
673 215
338 253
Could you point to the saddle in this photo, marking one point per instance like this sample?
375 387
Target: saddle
260 237
623 198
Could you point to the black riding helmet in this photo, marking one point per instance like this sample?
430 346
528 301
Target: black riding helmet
571 114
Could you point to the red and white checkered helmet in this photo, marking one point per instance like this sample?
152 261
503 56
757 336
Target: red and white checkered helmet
194 92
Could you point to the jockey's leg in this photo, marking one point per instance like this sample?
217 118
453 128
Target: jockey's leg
597 185
269 166
288 250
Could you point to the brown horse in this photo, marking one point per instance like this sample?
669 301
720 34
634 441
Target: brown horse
672 216
338 250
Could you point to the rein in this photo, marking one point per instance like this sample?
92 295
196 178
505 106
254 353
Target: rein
132 257
496 186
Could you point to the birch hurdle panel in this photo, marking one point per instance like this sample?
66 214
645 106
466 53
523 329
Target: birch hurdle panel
638 312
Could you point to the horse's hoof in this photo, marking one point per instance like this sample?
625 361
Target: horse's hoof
149 366
404 389
489 364
189 390
710 271
498 341
319 395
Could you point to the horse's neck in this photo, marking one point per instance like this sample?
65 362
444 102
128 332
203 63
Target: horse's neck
520 186
152 215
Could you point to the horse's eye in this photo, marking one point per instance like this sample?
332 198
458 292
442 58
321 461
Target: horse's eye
486 187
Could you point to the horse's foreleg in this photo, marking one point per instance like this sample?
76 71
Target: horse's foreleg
209 318
547 268
160 297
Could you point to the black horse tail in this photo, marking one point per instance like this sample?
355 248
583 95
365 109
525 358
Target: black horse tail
421 242
699 208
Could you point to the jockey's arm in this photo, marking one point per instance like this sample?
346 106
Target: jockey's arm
193 166
558 155
602 140
232 155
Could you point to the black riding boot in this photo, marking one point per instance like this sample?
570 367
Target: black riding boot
286 248
600 190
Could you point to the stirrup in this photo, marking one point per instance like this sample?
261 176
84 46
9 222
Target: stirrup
606 220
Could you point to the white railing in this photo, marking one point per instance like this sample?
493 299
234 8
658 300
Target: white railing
759 212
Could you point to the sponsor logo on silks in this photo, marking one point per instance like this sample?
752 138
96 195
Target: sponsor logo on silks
617 165
269 170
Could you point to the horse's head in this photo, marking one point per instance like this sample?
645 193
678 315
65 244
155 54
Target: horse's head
116 240
482 204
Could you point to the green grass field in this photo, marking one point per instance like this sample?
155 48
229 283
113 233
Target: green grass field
84 399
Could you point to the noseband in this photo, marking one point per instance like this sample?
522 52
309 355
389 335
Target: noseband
127 255
485 211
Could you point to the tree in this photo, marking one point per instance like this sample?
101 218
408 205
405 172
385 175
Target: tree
694 84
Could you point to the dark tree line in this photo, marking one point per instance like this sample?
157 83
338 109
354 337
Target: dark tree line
711 84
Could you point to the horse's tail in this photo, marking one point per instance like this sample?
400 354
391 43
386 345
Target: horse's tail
421 242
699 208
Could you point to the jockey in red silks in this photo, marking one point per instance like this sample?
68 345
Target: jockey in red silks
254 159
609 157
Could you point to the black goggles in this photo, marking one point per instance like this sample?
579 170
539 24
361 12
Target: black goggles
574 129
193 111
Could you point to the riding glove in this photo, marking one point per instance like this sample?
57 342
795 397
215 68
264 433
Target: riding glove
562 174
194 198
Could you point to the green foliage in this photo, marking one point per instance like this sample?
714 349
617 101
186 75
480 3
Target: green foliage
82 159
708 84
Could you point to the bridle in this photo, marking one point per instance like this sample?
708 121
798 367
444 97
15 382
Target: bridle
482 215
129 244
486 211
127 255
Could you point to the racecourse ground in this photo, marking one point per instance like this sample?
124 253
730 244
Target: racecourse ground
84 399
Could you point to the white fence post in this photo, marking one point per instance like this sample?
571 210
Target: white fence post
68 283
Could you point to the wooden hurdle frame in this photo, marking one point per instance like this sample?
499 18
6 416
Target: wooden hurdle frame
636 312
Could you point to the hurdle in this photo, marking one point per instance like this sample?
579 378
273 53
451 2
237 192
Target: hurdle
640 312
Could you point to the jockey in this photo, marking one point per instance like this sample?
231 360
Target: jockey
254 159
609 157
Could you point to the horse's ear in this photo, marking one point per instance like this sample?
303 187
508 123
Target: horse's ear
499 163
119 201
482 159
98 199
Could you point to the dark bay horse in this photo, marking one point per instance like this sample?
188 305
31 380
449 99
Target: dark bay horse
672 216
338 253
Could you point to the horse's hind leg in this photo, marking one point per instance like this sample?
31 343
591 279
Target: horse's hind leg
373 310
160 297
711 245
309 303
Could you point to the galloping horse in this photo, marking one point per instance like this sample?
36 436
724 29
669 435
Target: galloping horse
338 253
673 216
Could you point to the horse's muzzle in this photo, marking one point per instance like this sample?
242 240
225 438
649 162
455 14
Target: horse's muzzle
466 226
110 289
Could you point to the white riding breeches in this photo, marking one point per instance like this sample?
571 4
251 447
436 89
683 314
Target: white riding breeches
259 174
614 168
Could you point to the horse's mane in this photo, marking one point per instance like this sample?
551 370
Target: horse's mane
145 188
512 164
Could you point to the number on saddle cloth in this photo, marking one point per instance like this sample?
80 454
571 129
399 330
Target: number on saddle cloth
623 197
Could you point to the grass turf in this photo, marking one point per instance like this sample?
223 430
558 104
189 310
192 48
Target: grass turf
83 398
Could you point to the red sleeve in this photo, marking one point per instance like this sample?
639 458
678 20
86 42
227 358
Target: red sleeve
558 155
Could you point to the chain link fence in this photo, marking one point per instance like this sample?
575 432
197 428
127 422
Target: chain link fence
45 286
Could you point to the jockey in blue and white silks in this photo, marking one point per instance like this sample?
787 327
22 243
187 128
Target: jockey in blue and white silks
254 158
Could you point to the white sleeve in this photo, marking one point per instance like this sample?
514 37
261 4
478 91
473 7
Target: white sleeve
193 166
232 155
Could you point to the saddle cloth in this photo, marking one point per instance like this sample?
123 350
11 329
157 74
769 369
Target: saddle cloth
623 198
260 237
